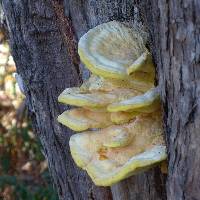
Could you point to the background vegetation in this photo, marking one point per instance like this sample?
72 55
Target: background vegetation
23 169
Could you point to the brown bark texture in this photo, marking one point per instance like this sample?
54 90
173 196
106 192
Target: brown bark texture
175 43
44 49
43 38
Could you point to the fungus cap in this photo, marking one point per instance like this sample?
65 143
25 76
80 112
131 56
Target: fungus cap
117 152
80 119
113 50
94 99
76 97
143 63
101 94
147 103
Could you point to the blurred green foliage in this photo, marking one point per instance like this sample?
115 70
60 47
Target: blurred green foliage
23 192
23 170
22 189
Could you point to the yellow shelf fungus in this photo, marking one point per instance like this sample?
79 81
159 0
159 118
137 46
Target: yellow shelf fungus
119 101
115 99
113 50
94 99
147 102
112 154
81 119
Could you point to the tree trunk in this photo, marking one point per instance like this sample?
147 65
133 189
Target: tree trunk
45 51
175 33
43 39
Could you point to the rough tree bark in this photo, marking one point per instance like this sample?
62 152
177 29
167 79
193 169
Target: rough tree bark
44 49
43 38
44 46
175 33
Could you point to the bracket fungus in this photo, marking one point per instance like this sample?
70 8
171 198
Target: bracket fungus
112 154
118 114
113 50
